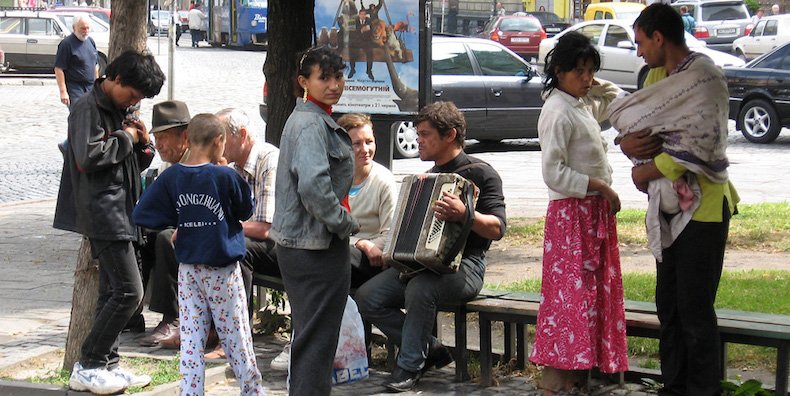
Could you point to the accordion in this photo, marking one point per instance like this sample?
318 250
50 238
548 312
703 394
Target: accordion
417 239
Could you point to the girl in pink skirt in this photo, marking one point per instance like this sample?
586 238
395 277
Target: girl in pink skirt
581 321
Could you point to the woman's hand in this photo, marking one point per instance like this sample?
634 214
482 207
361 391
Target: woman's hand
606 191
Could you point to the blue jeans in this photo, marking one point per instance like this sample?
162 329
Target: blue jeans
380 301
120 293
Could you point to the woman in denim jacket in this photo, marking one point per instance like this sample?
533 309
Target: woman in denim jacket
312 222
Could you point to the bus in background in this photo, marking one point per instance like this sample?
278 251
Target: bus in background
237 23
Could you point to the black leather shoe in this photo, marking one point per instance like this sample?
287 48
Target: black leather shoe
370 75
402 380
136 324
438 357
351 73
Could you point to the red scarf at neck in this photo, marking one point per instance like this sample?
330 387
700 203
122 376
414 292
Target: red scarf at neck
323 106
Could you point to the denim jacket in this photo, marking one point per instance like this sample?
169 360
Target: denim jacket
314 173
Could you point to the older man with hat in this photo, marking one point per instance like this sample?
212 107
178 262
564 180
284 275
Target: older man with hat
170 121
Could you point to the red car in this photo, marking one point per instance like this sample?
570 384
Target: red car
101 13
521 34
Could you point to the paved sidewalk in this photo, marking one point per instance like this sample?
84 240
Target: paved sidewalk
37 262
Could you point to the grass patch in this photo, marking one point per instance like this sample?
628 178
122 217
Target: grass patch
738 290
162 371
761 227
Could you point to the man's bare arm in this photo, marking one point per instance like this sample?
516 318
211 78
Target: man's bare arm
60 77
258 230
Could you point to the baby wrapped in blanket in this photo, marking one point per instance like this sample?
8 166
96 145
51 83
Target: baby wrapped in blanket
688 110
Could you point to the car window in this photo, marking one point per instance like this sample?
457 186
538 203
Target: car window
593 32
519 25
598 15
41 26
723 12
758 31
614 35
11 25
451 59
776 60
494 61
608 15
770 28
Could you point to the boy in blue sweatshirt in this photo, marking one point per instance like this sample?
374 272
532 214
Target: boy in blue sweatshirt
206 203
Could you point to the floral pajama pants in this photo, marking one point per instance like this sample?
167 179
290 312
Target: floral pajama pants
207 293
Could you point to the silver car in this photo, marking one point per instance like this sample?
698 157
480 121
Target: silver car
30 39
718 22
620 63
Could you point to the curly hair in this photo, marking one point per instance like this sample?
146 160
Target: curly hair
139 71
444 116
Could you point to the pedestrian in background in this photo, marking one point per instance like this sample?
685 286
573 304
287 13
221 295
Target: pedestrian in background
775 9
206 203
312 223
197 18
581 319
76 62
99 186
757 16
689 24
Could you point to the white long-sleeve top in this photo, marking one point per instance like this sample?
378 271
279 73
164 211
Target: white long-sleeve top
572 147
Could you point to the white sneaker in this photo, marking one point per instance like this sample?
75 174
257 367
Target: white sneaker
99 380
283 359
131 378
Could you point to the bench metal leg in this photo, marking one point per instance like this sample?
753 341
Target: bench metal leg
723 356
782 356
461 371
510 341
485 351
521 345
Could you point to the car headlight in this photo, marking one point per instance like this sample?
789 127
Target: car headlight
254 23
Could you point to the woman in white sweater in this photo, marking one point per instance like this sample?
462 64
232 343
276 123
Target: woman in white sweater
581 317
372 200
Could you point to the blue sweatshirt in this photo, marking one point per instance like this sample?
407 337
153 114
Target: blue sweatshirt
207 204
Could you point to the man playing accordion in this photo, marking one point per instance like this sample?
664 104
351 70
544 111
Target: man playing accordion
441 131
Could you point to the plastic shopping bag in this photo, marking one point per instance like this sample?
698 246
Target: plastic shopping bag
351 357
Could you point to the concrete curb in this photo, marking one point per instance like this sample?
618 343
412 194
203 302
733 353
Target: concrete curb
213 375
27 81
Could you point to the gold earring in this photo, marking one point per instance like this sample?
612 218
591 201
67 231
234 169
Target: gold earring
304 97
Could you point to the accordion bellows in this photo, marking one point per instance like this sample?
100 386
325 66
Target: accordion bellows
418 240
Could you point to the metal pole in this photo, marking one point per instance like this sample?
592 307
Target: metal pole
158 24
171 58
444 5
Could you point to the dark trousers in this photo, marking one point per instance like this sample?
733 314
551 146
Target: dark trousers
361 270
197 35
164 277
178 33
120 293
686 287
317 283
260 258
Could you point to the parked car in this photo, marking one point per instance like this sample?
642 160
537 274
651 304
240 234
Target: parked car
521 33
102 13
620 63
100 30
551 22
612 10
159 22
760 95
497 90
769 33
30 39
718 22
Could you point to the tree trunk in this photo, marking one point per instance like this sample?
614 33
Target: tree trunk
83 303
128 31
291 30
129 28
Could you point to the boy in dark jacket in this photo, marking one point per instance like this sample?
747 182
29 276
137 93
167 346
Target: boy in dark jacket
99 186
206 203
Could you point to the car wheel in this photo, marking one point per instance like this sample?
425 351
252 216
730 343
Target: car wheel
405 139
759 122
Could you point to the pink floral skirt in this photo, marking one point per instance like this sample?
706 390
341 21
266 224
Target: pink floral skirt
581 320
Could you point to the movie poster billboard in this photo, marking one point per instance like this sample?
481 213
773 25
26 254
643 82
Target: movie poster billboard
379 41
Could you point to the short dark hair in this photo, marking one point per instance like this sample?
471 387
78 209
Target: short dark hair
659 17
571 49
204 128
444 116
328 61
139 71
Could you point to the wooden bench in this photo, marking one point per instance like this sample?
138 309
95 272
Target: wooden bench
516 310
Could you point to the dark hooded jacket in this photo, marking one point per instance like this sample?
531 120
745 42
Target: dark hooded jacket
100 183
